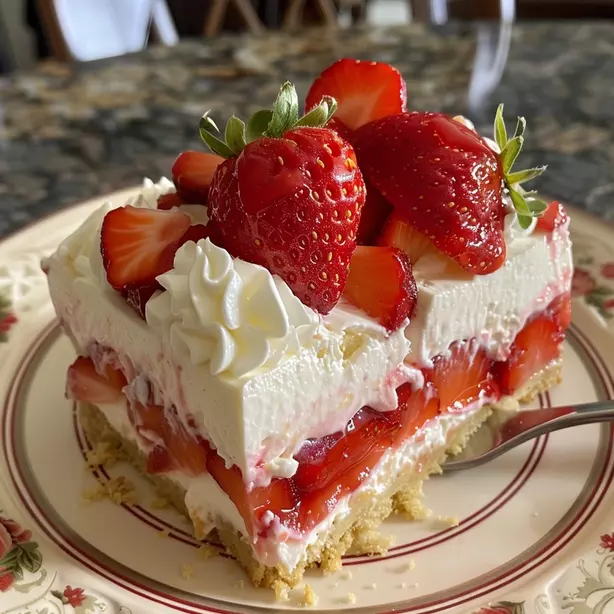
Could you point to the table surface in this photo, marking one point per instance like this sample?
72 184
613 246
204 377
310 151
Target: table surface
68 133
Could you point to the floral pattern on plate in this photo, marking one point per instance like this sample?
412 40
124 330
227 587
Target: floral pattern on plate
593 279
7 318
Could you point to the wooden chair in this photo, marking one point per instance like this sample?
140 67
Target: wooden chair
85 30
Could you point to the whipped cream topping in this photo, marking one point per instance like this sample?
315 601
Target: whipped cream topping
80 251
228 313
147 198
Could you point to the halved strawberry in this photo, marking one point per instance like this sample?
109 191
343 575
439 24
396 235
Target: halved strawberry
553 217
535 346
374 213
196 233
139 244
364 91
462 375
192 174
84 383
380 282
168 201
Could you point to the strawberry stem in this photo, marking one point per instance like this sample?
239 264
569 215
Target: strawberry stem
275 123
526 204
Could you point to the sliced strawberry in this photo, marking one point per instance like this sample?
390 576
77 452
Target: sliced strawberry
535 346
192 174
139 244
168 201
462 376
185 449
553 217
279 497
196 233
375 211
364 91
85 384
180 448
380 282
159 460
324 461
415 409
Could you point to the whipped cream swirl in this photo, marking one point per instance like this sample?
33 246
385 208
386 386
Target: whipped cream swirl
230 313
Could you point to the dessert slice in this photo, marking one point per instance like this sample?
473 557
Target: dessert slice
285 374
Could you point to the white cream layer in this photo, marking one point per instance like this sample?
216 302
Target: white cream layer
491 308
208 503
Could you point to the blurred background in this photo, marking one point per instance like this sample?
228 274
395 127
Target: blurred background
31 30
97 94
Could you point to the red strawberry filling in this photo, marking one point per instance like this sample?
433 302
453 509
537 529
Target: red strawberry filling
333 466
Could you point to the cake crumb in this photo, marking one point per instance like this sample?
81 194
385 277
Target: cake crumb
310 598
447 522
200 528
405 567
372 543
240 583
371 587
160 503
104 453
187 571
98 493
281 590
206 551
403 585
346 575
121 490
163 533
351 598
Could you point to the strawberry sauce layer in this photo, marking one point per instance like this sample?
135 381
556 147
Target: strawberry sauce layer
333 466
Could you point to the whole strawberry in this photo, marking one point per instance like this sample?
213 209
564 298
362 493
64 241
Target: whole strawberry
448 183
288 197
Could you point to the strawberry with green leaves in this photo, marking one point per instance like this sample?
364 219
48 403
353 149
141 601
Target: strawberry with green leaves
288 197
445 181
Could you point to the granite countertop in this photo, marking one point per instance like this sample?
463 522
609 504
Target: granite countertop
70 132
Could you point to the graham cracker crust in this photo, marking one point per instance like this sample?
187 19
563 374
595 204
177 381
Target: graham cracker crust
356 530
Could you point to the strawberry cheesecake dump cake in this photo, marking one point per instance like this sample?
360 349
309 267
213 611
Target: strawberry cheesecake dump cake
295 331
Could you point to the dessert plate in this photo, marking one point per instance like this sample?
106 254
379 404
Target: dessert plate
531 532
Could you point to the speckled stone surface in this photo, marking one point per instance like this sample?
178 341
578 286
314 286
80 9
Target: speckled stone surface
68 133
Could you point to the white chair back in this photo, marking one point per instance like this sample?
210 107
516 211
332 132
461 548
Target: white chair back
96 29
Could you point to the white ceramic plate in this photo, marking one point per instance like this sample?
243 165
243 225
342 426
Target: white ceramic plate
535 532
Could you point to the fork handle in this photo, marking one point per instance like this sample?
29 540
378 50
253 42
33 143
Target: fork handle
528 424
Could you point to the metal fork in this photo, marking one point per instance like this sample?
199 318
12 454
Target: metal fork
508 430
